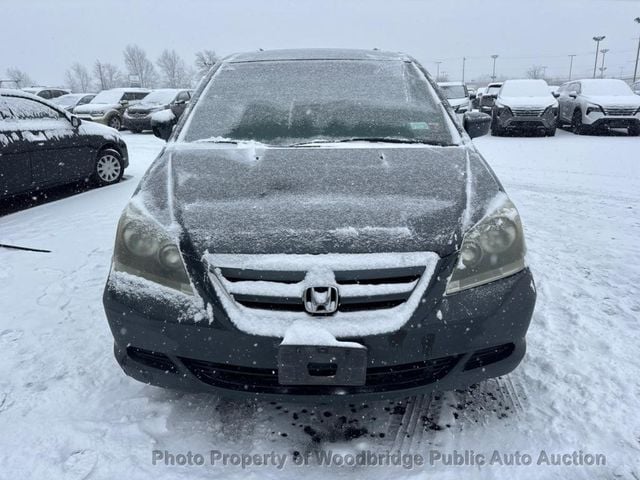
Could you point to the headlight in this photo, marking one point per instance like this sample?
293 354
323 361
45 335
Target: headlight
594 108
492 249
144 248
551 109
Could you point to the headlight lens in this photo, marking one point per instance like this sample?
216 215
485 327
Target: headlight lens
594 108
492 249
145 249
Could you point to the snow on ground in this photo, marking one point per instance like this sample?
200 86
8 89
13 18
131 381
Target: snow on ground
67 411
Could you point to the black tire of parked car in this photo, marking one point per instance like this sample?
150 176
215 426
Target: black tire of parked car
576 123
634 130
135 130
109 167
115 121
551 132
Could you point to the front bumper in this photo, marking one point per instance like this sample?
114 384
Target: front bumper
598 120
516 122
137 122
450 342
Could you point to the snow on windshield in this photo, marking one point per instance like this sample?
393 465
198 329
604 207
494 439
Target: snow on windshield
285 102
605 87
525 88
108 96
160 97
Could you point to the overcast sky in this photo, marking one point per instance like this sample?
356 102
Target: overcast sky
44 37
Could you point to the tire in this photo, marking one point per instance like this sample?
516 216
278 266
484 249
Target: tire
109 167
496 129
135 130
634 130
576 123
115 122
551 132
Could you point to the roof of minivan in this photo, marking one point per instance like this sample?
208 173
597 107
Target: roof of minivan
449 84
316 54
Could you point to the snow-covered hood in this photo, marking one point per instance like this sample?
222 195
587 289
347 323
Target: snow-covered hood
456 102
614 100
147 107
95 108
318 200
528 102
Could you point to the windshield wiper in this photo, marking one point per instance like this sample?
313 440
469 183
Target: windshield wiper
313 143
217 140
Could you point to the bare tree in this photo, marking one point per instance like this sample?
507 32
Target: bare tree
173 70
107 75
443 77
536 71
205 59
20 77
137 63
78 78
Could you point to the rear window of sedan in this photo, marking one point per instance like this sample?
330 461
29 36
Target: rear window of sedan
288 102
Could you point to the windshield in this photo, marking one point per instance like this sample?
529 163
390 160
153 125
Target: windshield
288 102
67 99
159 97
492 90
108 96
454 91
525 88
606 87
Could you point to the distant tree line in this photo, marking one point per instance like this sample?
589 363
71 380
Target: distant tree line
169 70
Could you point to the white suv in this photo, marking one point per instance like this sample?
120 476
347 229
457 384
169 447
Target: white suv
457 95
589 105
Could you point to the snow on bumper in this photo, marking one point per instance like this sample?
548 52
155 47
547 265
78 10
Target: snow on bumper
449 342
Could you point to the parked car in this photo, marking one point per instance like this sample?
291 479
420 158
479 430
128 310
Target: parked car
475 102
72 100
457 95
309 233
47 92
524 105
42 146
108 106
599 104
138 117
489 97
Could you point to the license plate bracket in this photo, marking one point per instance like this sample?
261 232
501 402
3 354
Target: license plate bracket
322 365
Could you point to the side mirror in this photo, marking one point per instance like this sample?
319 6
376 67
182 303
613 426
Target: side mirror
555 94
179 102
573 95
472 96
476 124
123 102
75 121
162 124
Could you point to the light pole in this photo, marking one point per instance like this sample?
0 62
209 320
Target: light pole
438 71
602 67
635 70
493 75
464 60
597 39
571 65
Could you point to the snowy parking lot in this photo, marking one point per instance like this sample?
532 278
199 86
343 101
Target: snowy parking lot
67 410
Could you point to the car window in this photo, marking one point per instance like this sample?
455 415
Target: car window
86 99
18 108
286 102
139 95
44 94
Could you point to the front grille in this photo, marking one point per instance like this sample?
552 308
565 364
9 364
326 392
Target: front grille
488 356
527 112
265 380
360 289
620 111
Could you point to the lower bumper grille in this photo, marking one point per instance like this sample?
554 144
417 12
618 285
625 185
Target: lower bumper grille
488 356
152 359
620 111
528 112
265 380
